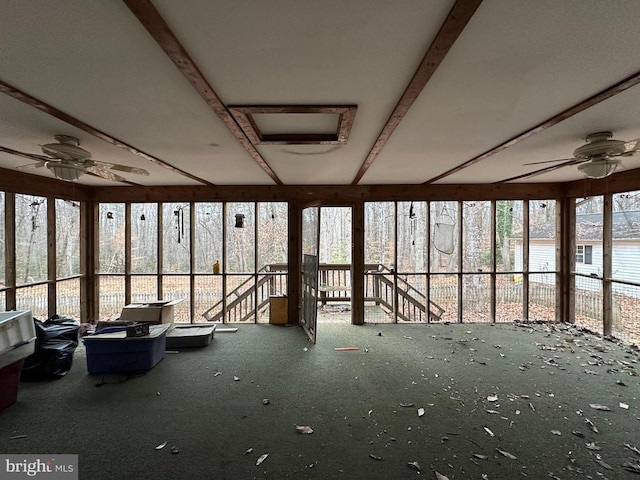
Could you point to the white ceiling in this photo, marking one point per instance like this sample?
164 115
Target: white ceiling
516 64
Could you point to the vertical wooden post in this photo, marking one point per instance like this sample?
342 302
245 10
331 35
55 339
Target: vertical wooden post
427 246
256 239
565 259
570 296
295 262
51 256
223 270
10 249
459 253
160 247
89 261
127 253
525 260
607 268
493 236
394 303
357 264
192 260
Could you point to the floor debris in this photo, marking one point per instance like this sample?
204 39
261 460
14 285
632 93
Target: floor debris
506 454
375 457
632 448
304 429
345 349
175 450
439 476
161 446
261 459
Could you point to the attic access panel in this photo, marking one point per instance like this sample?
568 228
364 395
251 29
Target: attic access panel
245 116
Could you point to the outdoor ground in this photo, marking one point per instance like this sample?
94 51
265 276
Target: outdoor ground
500 402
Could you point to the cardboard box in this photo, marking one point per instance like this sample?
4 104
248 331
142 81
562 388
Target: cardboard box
114 352
278 310
156 312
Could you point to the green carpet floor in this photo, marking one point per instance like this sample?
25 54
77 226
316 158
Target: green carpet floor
489 393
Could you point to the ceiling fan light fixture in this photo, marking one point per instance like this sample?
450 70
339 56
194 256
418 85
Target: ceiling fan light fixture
599 168
66 172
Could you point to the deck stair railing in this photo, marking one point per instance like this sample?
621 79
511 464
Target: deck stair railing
334 286
240 302
411 303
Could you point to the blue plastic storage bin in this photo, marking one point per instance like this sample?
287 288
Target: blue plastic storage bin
114 352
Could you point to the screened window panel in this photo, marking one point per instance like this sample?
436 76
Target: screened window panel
176 248
379 232
476 237
412 237
208 236
509 234
144 238
444 237
542 236
273 234
31 239
111 299
241 234
33 298
111 238
68 298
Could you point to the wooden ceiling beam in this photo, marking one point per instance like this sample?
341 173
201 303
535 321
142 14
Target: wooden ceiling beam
151 19
73 121
29 184
328 194
449 32
601 96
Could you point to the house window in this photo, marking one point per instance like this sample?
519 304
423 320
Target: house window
584 254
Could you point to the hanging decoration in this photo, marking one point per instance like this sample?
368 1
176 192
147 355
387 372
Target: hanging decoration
412 224
443 232
239 220
35 207
179 214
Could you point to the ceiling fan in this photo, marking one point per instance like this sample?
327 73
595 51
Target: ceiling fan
600 156
67 161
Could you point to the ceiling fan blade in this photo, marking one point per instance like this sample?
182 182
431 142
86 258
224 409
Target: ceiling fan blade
632 153
535 173
101 172
32 165
31 156
632 146
551 161
120 168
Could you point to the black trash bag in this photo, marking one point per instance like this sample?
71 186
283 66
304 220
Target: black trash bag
56 341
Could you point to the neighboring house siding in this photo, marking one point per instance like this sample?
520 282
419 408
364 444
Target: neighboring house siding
625 264
542 256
